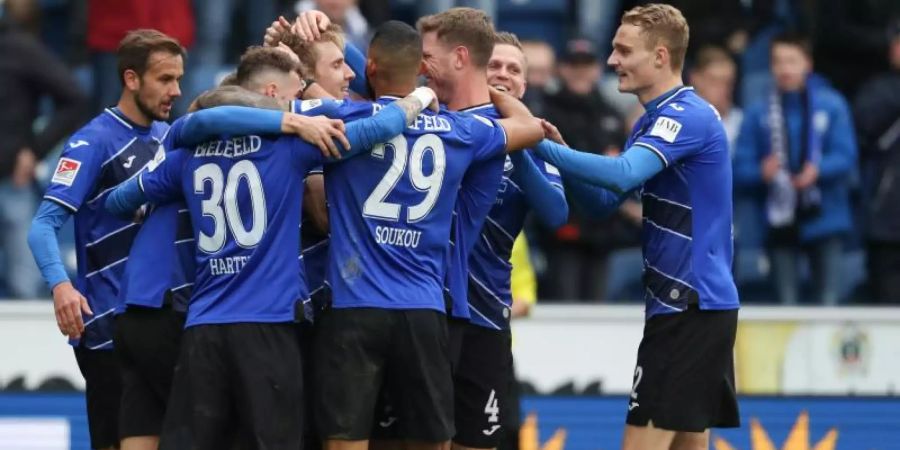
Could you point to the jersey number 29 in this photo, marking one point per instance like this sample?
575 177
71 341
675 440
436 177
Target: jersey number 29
230 215
376 206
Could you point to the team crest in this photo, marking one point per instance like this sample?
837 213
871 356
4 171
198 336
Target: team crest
66 171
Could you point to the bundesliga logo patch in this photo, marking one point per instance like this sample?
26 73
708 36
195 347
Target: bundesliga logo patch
66 171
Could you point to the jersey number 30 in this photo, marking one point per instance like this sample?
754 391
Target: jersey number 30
376 206
230 215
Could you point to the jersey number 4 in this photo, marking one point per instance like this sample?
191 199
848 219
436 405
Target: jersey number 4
230 216
376 205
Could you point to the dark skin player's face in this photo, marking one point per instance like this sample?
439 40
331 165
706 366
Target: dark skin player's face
158 88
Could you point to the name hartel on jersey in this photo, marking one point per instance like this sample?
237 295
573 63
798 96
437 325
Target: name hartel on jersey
227 266
397 236
229 148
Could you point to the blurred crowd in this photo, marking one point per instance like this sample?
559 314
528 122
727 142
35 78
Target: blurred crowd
809 91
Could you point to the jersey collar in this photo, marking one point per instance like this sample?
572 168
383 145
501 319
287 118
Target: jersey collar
125 121
658 102
477 107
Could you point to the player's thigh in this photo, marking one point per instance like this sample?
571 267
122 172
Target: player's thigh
481 387
646 438
691 441
421 385
268 387
349 357
103 390
210 380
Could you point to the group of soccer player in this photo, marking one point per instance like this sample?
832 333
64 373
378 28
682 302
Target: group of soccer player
285 266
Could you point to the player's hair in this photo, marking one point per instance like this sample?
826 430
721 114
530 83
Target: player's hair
467 27
229 80
794 39
507 38
711 55
663 25
396 48
257 60
306 50
136 47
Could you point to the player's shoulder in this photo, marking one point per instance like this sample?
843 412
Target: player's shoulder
93 135
689 108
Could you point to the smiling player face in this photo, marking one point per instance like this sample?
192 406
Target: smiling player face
332 72
159 86
506 70
633 59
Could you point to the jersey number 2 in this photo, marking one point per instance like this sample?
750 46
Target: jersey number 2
376 206
230 215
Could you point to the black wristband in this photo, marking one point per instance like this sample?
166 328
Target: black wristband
306 84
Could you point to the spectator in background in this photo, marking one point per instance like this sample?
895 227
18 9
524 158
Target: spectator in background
713 77
850 41
345 13
877 114
109 20
541 74
577 253
799 144
28 72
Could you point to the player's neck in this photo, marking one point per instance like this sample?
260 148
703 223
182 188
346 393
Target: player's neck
658 89
130 110
470 91
401 89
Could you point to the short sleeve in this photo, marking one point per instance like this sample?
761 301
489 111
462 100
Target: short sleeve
490 135
334 109
304 155
676 135
77 171
549 171
162 181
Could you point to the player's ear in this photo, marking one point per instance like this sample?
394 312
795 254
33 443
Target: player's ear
271 90
460 57
662 57
371 68
132 80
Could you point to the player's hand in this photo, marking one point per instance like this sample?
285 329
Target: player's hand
319 131
68 304
310 24
275 31
770 167
23 172
552 133
807 177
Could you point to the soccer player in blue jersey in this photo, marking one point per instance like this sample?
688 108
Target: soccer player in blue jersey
240 345
678 157
113 147
484 370
390 218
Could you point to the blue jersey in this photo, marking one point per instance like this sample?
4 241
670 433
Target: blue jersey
390 211
477 193
107 151
314 245
687 233
244 195
161 260
489 274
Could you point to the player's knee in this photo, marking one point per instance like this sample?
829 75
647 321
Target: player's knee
691 441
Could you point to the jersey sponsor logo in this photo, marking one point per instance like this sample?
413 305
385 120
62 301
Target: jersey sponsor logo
666 128
66 171
78 143
307 105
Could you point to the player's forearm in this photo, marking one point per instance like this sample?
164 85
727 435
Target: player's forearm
43 243
125 199
545 199
357 62
595 201
215 122
389 122
619 174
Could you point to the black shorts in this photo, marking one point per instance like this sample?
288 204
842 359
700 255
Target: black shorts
146 342
684 379
359 351
481 386
456 329
103 392
243 376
